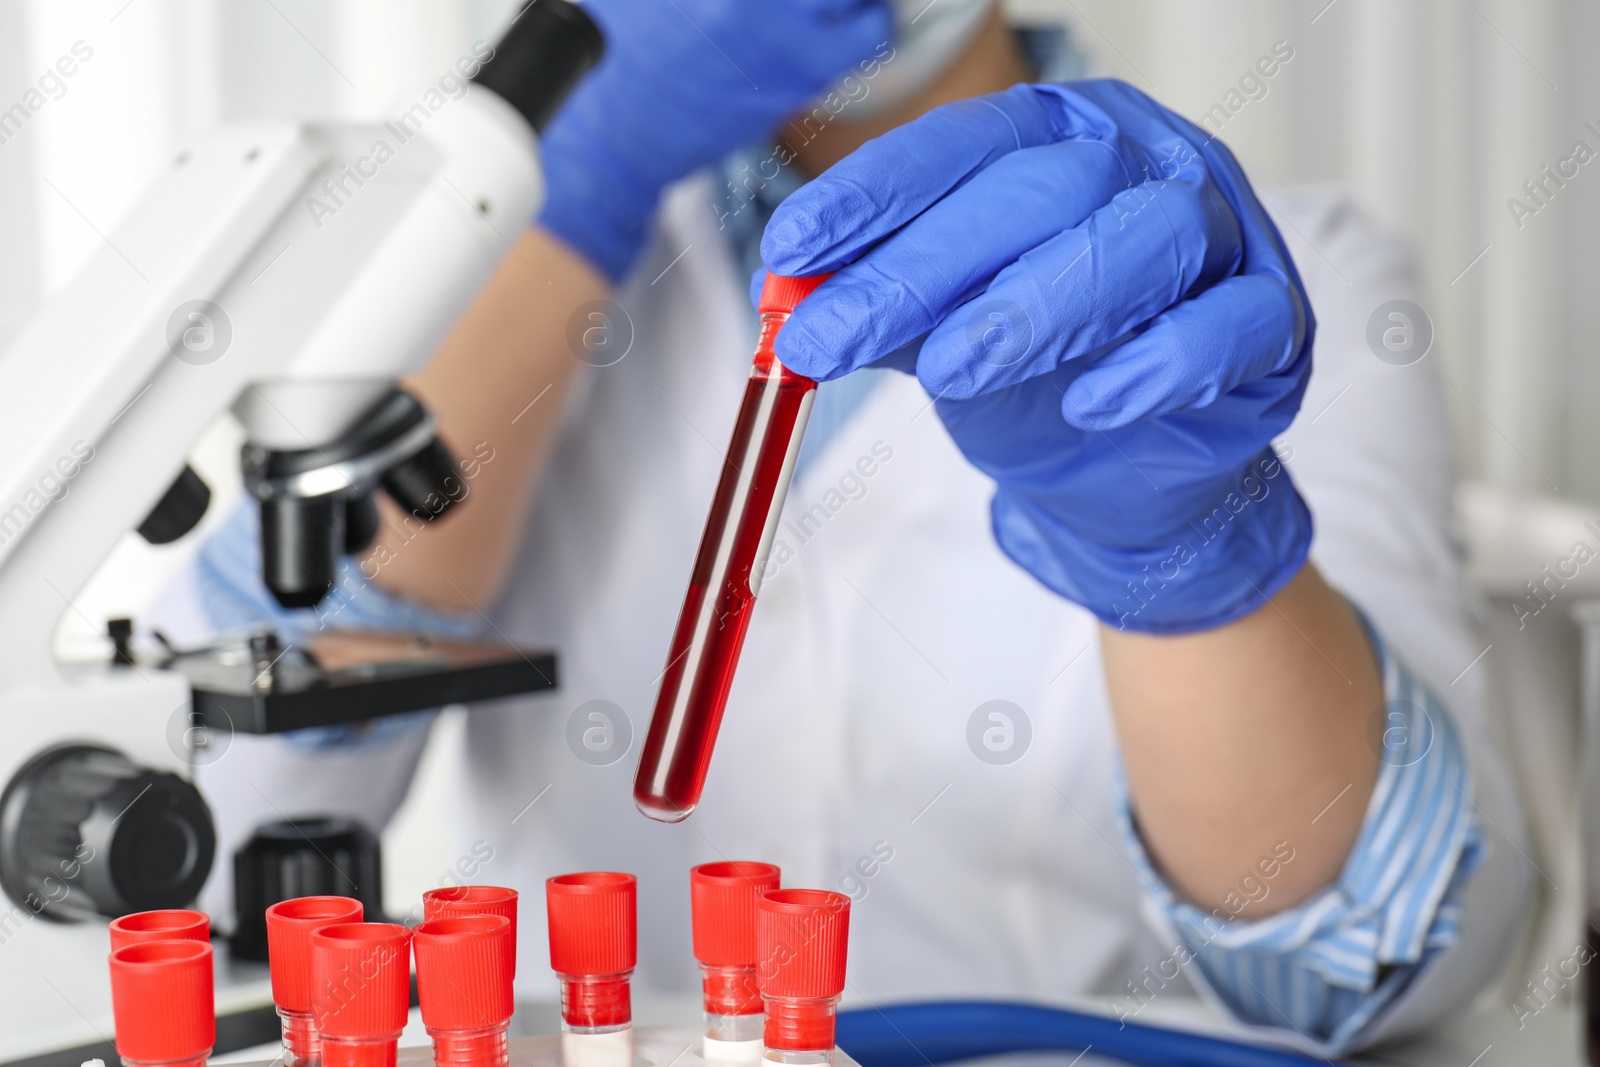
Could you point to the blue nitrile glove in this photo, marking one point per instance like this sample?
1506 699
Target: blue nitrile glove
682 84
1109 320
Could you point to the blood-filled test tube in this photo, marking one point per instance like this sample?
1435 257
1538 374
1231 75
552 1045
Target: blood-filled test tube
801 941
360 991
594 938
464 987
727 569
722 900
290 924
455 900
167 924
162 1003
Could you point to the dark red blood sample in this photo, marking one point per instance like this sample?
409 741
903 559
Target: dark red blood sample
726 577
722 594
1591 997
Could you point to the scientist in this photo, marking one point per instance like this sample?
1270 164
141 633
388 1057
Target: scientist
1050 672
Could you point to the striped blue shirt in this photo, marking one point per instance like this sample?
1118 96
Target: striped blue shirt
1329 966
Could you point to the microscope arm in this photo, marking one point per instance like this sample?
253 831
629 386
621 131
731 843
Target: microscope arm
291 272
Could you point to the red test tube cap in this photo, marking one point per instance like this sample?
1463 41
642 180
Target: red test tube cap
290 924
162 1001
464 971
168 924
802 938
457 900
722 899
594 922
361 979
781 292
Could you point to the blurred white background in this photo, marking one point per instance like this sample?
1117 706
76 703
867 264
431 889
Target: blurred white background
1433 113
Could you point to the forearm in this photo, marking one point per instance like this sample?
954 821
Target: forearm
1254 733
497 386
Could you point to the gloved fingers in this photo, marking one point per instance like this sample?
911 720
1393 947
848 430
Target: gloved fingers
892 179
905 286
1246 328
1016 434
902 359
1086 289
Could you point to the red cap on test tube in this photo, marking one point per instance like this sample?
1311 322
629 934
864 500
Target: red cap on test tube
360 991
781 293
464 985
723 904
457 900
162 1002
802 937
594 937
168 924
290 924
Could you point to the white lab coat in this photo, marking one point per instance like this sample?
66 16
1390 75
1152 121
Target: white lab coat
845 740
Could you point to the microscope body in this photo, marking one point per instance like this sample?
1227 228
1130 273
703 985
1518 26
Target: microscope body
231 285
290 273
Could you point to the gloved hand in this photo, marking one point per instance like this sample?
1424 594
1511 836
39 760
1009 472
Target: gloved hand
1109 321
682 84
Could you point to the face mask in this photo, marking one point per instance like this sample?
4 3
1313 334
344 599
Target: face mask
927 38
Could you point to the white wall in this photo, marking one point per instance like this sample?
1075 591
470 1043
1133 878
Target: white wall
1433 112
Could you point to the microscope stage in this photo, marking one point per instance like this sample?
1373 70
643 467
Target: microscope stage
348 676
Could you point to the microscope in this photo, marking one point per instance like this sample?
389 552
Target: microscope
290 273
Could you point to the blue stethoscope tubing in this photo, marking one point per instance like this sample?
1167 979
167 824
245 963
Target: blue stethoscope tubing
917 1035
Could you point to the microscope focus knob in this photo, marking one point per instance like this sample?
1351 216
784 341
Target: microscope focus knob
85 831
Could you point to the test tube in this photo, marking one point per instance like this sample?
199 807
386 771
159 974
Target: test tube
1587 615
464 987
722 899
167 924
801 941
360 991
727 569
290 924
594 939
457 900
162 1003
